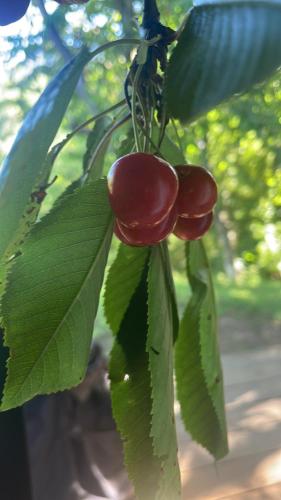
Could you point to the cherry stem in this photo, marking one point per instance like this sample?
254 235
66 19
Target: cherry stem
134 105
96 117
114 43
104 140
179 141
59 146
122 41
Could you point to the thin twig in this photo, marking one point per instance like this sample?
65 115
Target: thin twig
151 13
134 104
58 147
177 136
105 138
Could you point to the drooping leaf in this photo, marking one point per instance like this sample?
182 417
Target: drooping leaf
197 361
93 160
131 395
170 288
52 295
160 353
25 166
122 281
224 49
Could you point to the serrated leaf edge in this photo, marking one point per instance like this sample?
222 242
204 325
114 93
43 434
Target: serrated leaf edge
104 242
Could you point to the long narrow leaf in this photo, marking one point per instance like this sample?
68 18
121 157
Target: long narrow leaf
25 165
160 352
52 295
131 395
197 362
122 281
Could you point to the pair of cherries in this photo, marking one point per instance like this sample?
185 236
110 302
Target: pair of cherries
151 199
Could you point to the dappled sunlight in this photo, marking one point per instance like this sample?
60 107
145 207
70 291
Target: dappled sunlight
253 400
270 468
247 397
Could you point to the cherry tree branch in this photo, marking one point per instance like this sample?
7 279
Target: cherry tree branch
151 14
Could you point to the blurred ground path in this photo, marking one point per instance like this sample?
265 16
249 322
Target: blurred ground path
252 470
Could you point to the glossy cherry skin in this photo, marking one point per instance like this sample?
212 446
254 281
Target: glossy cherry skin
142 189
149 235
193 229
12 10
198 192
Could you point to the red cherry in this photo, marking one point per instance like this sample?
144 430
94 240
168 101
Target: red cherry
197 191
12 11
142 189
149 235
194 228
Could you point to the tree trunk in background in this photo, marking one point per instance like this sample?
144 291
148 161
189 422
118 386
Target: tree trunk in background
65 53
15 481
126 10
228 258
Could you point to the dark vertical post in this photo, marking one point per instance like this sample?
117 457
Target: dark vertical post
15 481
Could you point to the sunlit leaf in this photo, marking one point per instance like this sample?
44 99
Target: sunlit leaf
122 281
160 352
25 167
52 295
197 362
131 395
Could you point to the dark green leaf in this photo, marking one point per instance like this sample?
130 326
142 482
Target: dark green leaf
131 395
25 166
198 368
224 49
160 352
171 288
122 281
52 295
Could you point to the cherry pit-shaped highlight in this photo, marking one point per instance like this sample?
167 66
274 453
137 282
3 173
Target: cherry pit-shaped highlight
151 199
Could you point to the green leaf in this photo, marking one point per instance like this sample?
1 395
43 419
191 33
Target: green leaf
160 352
224 49
171 152
131 395
122 281
197 361
52 295
93 160
25 165
171 288
168 148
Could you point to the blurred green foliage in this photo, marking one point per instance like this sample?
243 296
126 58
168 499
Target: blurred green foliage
240 141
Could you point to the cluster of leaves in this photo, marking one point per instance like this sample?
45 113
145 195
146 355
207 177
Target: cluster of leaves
52 270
